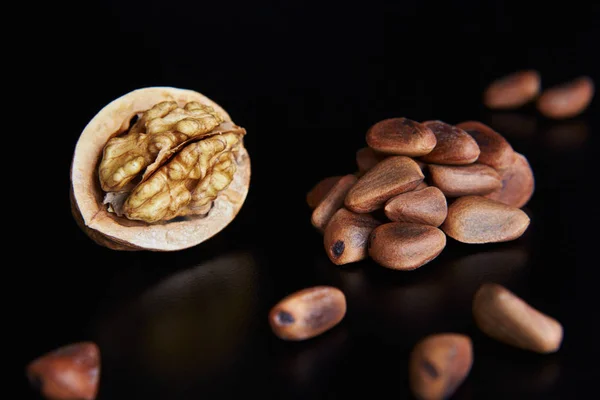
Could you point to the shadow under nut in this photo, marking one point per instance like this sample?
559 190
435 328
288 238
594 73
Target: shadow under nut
318 192
512 91
332 201
307 313
567 100
464 180
367 158
392 176
401 136
505 317
454 146
475 219
439 364
420 186
347 235
405 246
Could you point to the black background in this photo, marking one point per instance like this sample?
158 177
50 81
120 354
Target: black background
306 79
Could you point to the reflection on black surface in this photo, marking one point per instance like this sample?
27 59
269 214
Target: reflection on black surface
400 307
387 305
410 309
528 373
394 309
195 330
302 370
187 327
513 124
569 135
463 276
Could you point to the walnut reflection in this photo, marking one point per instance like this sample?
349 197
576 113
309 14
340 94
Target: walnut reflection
569 135
190 324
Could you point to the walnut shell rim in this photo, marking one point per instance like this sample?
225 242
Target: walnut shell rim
119 233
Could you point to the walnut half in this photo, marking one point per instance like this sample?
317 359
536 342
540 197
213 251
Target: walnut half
174 178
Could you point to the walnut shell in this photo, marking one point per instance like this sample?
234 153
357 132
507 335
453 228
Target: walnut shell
119 233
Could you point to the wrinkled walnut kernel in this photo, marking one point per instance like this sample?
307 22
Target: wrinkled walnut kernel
159 129
173 162
186 184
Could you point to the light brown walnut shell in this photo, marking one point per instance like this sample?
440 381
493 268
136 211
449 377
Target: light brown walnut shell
217 175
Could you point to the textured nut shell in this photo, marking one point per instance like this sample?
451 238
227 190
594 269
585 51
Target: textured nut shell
119 233
392 176
405 246
494 149
453 145
347 235
502 315
400 136
464 180
439 364
426 206
475 219
518 183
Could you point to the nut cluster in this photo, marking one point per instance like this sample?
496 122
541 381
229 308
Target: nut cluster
418 183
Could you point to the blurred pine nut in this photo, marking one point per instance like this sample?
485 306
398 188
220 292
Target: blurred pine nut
502 315
308 313
567 100
514 90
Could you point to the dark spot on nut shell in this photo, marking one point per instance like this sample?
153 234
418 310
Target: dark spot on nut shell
338 248
320 317
285 318
430 369
482 140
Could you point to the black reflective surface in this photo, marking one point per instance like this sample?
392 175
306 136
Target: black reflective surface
307 82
